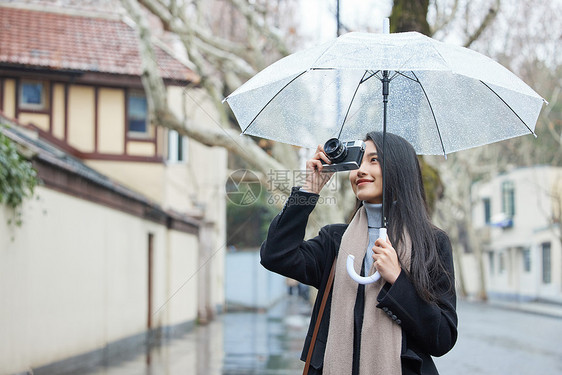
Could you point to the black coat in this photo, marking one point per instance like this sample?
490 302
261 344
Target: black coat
427 329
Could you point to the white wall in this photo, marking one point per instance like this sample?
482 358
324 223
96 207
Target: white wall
201 180
75 278
181 296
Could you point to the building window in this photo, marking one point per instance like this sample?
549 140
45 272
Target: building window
177 147
491 261
487 210
33 95
501 262
137 114
508 198
546 268
526 259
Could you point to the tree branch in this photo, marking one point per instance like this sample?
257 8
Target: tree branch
273 36
157 98
487 21
223 50
443 20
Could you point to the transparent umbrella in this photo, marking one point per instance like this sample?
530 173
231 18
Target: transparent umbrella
442 98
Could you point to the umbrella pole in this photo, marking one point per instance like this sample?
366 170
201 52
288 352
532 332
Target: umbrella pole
385 89
382 231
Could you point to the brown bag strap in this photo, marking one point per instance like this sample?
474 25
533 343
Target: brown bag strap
319 318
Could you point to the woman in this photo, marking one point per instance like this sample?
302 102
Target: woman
392 326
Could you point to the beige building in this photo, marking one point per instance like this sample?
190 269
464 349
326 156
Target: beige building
125 237
517 215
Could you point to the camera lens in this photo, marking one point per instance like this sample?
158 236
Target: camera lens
335 150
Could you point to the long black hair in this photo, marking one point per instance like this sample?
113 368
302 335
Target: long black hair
406 209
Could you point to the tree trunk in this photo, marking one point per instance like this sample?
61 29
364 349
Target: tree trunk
409 15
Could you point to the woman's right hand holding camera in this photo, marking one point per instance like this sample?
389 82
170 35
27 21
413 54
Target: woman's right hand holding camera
315 178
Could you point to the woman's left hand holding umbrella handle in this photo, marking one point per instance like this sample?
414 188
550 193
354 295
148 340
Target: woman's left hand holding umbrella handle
364 279
386 259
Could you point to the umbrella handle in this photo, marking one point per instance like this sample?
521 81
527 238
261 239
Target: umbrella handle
364 279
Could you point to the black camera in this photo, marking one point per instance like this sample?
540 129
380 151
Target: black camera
345 156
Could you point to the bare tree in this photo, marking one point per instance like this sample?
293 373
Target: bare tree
465 19
224 62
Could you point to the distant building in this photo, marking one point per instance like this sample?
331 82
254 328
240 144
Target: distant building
517 215
126 237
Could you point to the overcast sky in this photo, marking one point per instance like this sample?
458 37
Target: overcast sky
318 17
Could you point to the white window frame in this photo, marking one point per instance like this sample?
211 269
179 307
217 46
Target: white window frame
508 198
135 133
546 258
33 106
492 262
527 261
502 262
487 207
173 142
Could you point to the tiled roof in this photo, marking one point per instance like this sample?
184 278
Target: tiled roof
79 43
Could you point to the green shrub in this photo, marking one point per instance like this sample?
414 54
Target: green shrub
17 178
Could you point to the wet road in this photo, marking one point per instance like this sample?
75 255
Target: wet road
237 343
492 341
496 341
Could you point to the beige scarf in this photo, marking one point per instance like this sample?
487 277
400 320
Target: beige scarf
381 338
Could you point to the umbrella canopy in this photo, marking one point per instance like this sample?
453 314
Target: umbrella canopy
442 98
